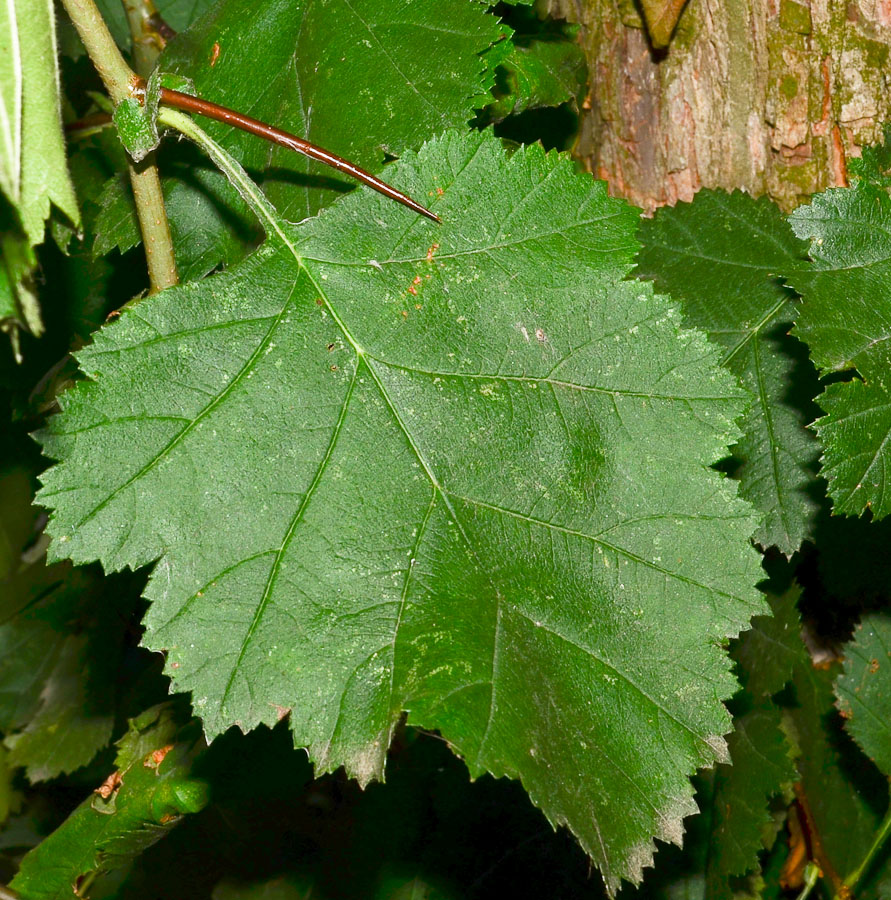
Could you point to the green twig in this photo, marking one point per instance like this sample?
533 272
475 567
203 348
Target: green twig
853 879
119 80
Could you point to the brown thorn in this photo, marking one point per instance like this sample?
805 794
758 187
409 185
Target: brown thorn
191 104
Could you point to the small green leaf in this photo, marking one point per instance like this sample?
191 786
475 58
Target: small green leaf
538 73
767 654
137 120
462 471
33 171
846 321
762 768
722 257
59 650
864 690
844 799
136 128
128 814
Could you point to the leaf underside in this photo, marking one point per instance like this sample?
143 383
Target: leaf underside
846 321
721 257
461 471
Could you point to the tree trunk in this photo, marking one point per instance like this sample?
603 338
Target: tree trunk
772 96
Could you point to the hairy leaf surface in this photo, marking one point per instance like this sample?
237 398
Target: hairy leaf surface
722 256
864 690
461 471
846 321
33 173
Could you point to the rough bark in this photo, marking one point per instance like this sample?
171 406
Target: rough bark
772 96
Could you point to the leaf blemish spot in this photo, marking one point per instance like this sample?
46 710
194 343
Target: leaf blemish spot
215 54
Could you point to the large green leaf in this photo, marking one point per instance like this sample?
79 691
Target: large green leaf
722 256
462 471
846 321
864 690
362 79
